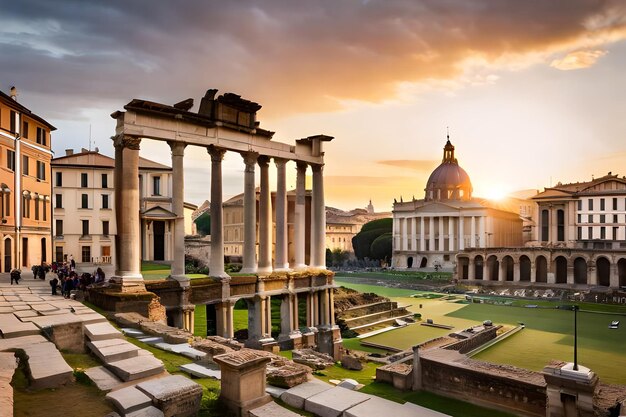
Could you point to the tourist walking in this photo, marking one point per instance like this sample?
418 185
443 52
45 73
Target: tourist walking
16 275
53 283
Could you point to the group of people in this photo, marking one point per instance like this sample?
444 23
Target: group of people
65 278
68 280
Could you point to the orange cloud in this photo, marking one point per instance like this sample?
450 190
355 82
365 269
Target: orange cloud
578 60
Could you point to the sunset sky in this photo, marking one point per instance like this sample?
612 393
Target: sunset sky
533 91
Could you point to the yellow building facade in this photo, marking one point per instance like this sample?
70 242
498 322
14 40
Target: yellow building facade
25 186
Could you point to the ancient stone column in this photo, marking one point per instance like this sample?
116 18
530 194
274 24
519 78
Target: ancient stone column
265 219
422 235
516 270
331 295
481 231
249 214
451 234
323 308
473 232
614 276
471 269
300 217
431 234
216 263
281 262
296 318
461 233
405 233
501 271
128 243
178 190
318 220
286 317
414 234
441 234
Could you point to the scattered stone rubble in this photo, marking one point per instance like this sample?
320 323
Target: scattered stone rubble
312 359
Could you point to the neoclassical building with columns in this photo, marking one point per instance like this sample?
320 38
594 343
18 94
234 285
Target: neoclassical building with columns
228 124
430 232
580 241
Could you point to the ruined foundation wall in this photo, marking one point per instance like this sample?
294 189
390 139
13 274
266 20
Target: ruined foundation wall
482 388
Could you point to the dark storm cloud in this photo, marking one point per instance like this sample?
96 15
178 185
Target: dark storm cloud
290 56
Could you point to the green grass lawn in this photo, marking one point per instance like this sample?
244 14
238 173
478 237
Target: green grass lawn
548 334
154 271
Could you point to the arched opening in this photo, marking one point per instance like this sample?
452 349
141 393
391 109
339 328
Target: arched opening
492 268
560 225
409 262
561 270
462 267
541 269
524 268
424 262
7 255
478 267
507 264
545 225
580 271
43 250
621 272
603 272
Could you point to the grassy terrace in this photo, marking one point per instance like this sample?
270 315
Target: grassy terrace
548 333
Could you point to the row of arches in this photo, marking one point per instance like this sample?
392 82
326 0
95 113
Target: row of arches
575 270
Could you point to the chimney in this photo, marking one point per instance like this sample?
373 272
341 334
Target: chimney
69 152
14 93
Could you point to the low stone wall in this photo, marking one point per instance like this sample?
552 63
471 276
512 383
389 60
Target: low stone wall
199 248
496 386
400 375
479 339
355 312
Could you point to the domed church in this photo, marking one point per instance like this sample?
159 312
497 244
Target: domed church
430 232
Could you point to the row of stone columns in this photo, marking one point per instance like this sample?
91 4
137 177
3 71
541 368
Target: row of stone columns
437 244
129 256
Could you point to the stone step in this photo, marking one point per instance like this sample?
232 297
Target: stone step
200 371
104 379
11 326
334 401
136 368
297 395
46 366
175 395
146 412
272 410
129 399
7 368
101 331
113 350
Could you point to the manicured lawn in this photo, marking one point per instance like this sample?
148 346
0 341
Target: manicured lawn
364 376
548 334
154 271
199 325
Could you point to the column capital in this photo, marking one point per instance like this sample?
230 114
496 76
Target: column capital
250 159
217 154
280 161
178 148
317 167
301 166
263 161
126 141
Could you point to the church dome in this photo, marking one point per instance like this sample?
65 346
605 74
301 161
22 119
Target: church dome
448 181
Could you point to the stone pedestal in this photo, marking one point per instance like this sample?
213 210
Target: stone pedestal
329 342
174 395
569 392
243 381
308 337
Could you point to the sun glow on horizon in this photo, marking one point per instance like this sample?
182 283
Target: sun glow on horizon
494 192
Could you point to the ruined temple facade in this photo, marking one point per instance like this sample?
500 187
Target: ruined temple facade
228 123
449 219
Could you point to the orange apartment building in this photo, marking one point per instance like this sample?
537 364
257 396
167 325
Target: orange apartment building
25 186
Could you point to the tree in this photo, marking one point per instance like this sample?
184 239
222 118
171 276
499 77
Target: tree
362 241
381 247
203 224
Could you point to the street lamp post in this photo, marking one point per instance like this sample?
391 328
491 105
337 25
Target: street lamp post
575 308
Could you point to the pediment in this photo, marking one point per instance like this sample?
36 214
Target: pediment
158 212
